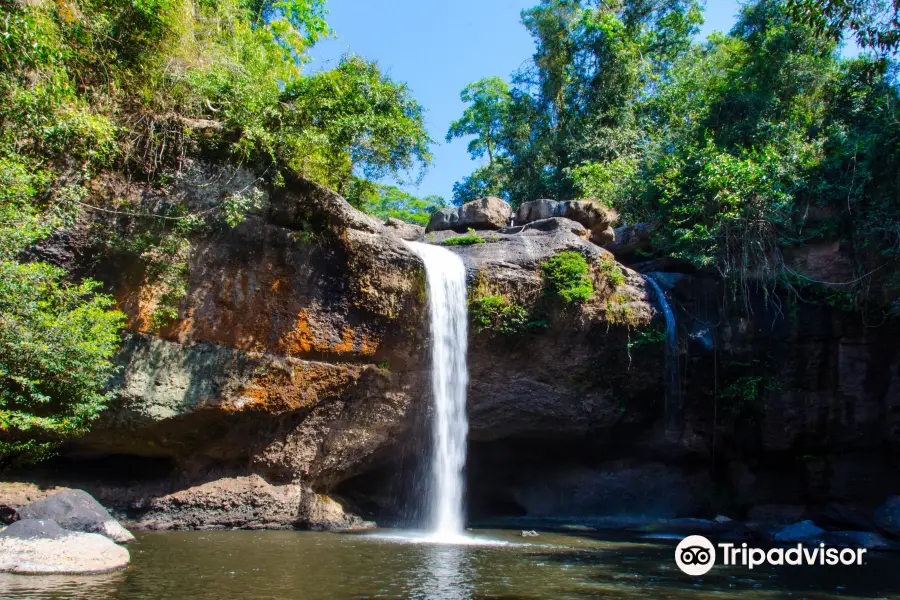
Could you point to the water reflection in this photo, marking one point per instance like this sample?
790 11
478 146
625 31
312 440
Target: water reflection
446 573
75 587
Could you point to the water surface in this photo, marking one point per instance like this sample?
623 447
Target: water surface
220 565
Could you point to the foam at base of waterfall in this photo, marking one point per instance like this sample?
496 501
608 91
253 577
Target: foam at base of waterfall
424 537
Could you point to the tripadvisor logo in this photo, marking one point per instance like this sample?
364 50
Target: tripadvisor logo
696 555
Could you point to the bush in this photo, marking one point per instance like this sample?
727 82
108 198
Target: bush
56 344
497 314
567 276
464 240
612 272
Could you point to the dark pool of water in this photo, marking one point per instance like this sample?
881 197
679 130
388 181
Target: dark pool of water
224 565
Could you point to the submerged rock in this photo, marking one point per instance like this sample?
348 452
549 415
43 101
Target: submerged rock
804 531
76 510
32 546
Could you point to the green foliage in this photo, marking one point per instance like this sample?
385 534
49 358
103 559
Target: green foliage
388 201
496 314
648 337
464 240
352 119
56 344
575 105
619 313
489 100
611 271
567 277
236 206
730 147
606 182
874 23
145 87
489 180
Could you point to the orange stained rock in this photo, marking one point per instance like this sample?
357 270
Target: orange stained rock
368 346
286 391
346 345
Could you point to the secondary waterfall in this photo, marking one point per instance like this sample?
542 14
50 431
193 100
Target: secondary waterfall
446 276
673 386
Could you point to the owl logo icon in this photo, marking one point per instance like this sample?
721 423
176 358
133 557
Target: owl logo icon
695 555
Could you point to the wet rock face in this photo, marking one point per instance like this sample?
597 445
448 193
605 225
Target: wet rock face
297 357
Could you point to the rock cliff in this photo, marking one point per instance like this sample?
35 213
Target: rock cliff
293 384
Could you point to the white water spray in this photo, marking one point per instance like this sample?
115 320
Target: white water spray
446 275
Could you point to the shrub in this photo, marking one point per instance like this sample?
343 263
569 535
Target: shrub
566 276
499 315
464 240
610 269
57 340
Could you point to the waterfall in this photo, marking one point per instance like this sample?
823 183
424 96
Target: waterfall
446 276
673 386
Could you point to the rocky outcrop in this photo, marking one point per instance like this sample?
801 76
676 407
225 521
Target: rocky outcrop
630 241
34 547
76 510
292 390
247 503
405 231
483 213
597 218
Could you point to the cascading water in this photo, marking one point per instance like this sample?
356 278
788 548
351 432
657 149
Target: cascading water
446 276
673 386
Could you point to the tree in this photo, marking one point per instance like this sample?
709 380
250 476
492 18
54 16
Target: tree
353 119
874 23
484 118
488 180
57 341
388 201
579 100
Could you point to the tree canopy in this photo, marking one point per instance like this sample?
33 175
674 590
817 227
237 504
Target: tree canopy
727 146
140 88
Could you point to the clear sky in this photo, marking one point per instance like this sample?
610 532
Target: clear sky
439 47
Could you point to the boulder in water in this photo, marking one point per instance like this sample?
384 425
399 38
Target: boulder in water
76 510
31 546
804 531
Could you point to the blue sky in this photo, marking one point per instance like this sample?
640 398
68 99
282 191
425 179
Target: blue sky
439 47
